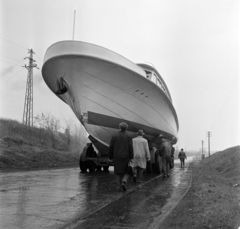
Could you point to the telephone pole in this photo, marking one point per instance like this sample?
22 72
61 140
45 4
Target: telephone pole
28 104
209 134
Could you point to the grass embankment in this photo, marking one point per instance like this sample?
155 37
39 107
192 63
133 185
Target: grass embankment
213 200
24 148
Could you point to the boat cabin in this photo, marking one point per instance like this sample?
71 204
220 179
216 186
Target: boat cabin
154 77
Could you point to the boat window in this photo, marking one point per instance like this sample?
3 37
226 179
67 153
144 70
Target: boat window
148 74
154 78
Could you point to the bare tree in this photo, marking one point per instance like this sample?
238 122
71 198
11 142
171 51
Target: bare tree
40 121
51 124
68 130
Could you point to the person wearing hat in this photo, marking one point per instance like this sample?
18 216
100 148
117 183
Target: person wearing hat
141 156
121 152
165 152
182 156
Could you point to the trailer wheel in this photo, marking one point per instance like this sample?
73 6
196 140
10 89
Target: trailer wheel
158 164
99 168
105 168
83 165
91 166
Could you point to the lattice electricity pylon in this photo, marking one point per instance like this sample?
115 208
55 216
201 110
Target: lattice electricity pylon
28 104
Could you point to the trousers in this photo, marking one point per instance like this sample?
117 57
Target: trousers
166 164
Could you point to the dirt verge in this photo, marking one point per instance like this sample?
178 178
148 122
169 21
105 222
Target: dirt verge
213 200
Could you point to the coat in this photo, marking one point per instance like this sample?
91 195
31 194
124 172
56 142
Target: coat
141 152
121 151
165 149
152 153
182 155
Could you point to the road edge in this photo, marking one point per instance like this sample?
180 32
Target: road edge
164 216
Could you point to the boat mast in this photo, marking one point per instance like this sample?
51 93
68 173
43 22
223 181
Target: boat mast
74 23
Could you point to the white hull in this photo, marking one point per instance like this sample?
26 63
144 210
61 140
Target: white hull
104 88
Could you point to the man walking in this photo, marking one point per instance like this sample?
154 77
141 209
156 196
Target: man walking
121 152
165 152
141 156
182 156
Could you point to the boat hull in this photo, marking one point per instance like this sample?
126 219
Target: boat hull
104 89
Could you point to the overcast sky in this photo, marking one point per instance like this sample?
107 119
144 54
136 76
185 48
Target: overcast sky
193 44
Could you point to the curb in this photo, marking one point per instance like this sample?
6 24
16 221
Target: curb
166 214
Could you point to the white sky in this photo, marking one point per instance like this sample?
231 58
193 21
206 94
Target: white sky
193 44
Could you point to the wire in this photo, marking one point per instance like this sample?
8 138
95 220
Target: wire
39 58
13 42
12 76
12 58
10 63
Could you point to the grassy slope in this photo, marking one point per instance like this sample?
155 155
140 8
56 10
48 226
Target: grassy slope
24 148
213 200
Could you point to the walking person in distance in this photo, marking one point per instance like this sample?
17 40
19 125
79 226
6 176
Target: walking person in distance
182 156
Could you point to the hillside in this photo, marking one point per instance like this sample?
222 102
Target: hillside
22 147
213 200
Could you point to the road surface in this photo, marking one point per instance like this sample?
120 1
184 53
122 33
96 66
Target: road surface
66 198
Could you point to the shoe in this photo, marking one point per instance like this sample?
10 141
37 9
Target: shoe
134 179
123 186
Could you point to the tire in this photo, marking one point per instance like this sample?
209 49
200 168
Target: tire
105 168
158 164
99 168
83 165
91 166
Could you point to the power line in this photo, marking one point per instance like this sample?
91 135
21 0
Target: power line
11 76
11 58
13 42
39 58
11 63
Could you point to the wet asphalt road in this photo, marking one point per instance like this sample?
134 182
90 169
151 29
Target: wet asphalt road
66 198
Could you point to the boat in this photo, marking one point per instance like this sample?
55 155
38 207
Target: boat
104 88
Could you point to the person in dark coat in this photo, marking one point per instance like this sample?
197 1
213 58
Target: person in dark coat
165 152
121 152
182 156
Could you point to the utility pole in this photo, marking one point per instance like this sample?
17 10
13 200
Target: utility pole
202 146
209 134
28 104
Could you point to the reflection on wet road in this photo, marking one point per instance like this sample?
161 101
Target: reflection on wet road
66 198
